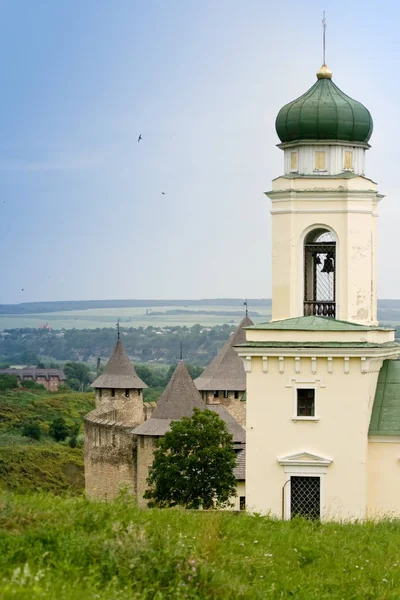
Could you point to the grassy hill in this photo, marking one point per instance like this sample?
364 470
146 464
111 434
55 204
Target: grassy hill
28 464
73 549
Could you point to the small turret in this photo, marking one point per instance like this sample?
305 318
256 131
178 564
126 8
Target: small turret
120 385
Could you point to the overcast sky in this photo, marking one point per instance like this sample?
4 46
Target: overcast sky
82 214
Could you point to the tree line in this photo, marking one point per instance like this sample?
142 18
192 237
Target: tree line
28 346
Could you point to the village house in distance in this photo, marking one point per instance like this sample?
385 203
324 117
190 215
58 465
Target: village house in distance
51 379
122 432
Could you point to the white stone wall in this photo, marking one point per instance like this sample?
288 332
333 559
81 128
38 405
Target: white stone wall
338 434
334 159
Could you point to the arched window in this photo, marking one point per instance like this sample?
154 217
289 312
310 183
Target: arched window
320 274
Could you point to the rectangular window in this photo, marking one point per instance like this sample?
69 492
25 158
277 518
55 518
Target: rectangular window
306 403
100 393
348 160
236 395
293 161
242 502
139 392
320 161
225 394
126 393
113 393
216 394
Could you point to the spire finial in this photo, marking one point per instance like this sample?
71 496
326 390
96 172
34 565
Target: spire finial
245 304
118 334
181 353
324 72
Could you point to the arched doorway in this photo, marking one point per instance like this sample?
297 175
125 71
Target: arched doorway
320 274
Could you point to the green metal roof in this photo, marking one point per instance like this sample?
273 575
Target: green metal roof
316 324
385 417
317 345
324 112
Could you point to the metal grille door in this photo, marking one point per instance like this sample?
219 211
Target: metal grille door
305 497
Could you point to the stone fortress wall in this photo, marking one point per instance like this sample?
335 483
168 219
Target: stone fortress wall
110 454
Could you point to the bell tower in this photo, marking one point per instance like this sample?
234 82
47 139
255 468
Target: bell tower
324 209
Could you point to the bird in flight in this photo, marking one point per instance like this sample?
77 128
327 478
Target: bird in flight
140 137
163 193
22 289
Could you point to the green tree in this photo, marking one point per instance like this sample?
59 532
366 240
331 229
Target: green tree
59 429
193 464
78 375
8 382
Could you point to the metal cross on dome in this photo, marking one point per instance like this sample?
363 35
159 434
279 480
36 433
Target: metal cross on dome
324 35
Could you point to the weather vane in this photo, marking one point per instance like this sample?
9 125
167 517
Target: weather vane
247 312
118 329
181 350
324 35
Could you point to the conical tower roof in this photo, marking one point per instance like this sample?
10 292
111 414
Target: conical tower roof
226 370
119 373
179 399
180 396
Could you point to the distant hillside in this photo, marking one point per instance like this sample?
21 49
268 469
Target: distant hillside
26 308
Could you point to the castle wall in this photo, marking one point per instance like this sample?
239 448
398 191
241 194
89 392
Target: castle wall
146 446
233 405
129 408
110 459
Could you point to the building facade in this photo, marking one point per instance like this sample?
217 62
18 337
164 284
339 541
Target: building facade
51 379
316 427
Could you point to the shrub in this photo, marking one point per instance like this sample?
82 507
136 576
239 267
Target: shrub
59 429
28 384
32 429
8 382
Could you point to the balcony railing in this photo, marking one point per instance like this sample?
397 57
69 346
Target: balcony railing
320 309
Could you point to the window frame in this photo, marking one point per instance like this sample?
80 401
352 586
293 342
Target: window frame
319 154
294 161
112 392
127 393
306 386
351 153
216 393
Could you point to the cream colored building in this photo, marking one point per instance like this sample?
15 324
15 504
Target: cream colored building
323 384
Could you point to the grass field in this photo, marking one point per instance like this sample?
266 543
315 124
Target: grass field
73 549
130 317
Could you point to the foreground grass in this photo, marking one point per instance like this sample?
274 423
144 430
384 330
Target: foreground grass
72 549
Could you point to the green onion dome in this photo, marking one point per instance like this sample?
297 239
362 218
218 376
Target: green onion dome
324 112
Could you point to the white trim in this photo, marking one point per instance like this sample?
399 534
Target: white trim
265 364
304 459
303 464
327 211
